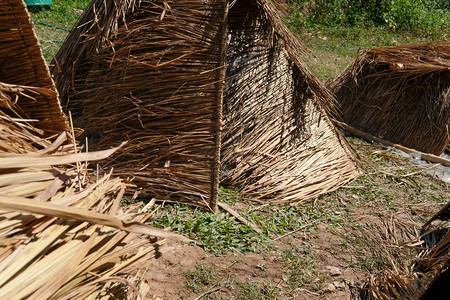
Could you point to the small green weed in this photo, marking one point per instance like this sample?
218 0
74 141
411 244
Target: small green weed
255 291
203 275
217 233
301 270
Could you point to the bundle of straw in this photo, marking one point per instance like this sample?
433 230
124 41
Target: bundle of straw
425 276
278 144
400 94
22 63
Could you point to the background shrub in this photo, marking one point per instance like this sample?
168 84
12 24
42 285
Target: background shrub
393 14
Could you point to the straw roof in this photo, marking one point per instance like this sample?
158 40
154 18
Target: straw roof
152 72
22 64
401 94
278 144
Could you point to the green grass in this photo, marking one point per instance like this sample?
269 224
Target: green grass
217 233
255 291
203 275
63 13
208 277
332 50
300 268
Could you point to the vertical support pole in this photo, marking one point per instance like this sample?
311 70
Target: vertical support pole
221 65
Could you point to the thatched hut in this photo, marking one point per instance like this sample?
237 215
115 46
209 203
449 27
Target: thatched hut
22 63
150 72
153 73
400 94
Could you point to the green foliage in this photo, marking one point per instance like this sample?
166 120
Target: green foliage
217 233
220 233
393 14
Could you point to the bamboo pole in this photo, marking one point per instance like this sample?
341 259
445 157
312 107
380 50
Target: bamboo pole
425 156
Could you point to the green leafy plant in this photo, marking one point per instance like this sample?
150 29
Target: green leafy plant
419 15
217 233
203 275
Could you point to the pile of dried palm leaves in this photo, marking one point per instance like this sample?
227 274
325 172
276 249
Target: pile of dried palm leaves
424 277
153 73
400 94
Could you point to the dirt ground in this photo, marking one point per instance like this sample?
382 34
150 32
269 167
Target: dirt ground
251 268
382 210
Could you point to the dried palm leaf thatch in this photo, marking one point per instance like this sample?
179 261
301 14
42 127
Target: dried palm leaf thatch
22 63
417 284
150 72
63 236
401 94
426 272
278 144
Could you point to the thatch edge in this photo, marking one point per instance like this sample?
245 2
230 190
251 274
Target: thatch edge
39 60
